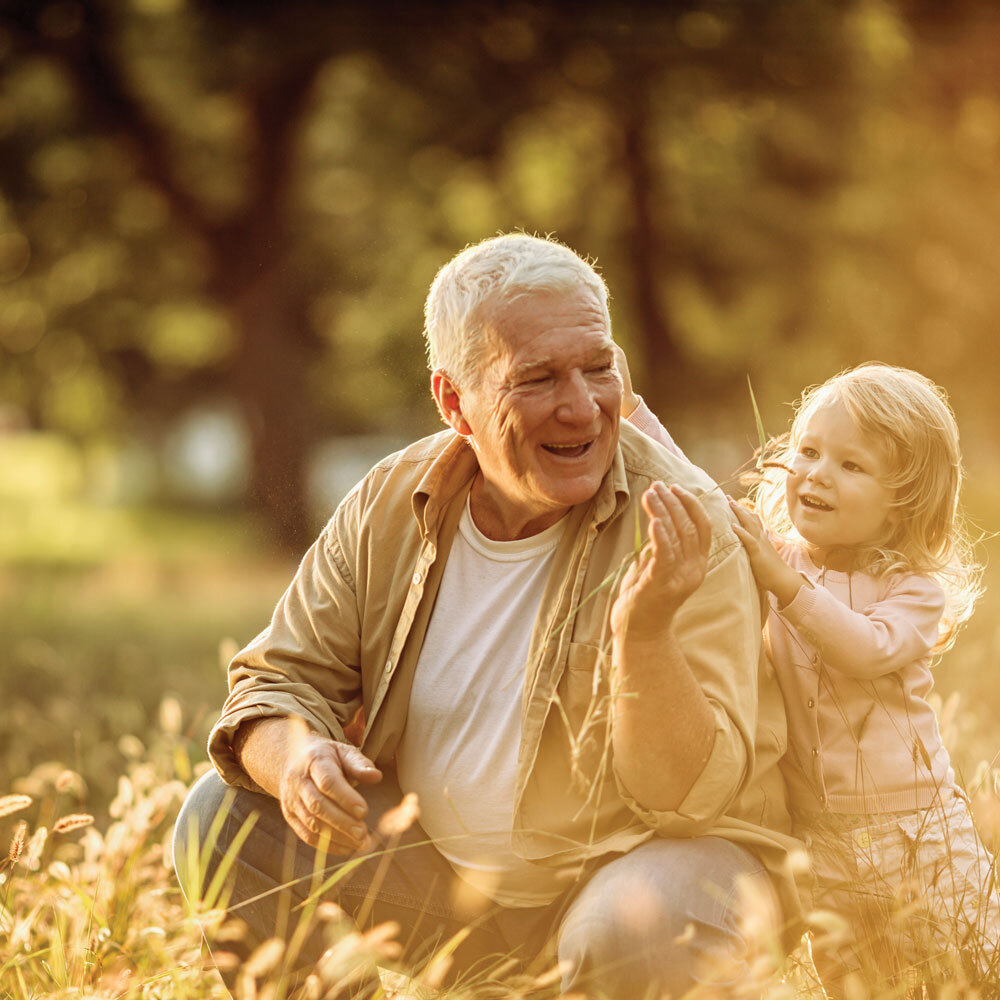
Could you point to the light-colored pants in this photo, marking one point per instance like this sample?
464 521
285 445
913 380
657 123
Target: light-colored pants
917 889
650 923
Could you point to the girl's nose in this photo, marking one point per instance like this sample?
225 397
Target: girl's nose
818 472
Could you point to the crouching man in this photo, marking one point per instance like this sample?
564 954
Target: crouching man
592 739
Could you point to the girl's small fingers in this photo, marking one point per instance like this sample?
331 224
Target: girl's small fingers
747 518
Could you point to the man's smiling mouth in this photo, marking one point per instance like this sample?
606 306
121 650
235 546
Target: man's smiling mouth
813 503
569 450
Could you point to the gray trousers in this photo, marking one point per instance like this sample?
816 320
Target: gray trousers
654 922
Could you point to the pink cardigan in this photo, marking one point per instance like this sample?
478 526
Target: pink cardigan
852 655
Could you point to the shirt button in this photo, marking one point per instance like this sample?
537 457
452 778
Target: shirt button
811 702
815 658
388 666
815 752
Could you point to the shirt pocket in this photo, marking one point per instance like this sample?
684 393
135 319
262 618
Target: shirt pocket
583 702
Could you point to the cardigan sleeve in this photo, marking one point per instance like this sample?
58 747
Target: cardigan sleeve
643 418
869 642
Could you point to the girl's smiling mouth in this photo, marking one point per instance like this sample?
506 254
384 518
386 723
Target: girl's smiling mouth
813 503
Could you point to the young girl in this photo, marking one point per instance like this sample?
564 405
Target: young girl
870 574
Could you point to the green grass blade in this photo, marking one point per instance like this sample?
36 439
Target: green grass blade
761 435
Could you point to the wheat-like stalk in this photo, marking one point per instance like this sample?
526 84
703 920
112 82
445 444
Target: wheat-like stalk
17 843
13 803
72 821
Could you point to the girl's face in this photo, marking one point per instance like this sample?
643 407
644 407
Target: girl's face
835 492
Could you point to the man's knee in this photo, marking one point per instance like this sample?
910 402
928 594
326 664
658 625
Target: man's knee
660 920
203 832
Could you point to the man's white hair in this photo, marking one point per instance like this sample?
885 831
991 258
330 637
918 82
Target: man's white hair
474 286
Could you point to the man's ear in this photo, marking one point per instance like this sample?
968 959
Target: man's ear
449 402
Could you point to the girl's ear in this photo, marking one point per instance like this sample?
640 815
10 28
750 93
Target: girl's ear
449 402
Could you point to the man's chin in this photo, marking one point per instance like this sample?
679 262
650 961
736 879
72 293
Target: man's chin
572 490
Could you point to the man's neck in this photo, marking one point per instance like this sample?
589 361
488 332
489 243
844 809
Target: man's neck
502 519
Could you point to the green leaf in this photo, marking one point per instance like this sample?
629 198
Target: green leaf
761 435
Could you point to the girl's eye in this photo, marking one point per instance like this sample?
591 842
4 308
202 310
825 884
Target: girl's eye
808 452
853 467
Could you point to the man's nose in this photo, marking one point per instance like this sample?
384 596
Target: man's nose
576 400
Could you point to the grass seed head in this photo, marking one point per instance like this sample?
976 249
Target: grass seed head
72 821
13 803
17 842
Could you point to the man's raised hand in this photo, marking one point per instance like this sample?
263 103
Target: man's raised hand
671 568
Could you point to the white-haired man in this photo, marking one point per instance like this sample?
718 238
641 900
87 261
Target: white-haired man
592 739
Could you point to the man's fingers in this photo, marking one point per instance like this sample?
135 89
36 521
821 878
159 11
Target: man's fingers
320 813
700 532
688 523
335 844
327 774
358 766
663 535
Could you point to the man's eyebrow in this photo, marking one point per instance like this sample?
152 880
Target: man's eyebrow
527 367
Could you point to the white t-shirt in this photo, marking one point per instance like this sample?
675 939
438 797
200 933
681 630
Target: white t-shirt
459 749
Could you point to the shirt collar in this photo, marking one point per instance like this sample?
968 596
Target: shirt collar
454 468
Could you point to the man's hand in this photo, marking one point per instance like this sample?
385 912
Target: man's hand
629 399
317 796
312 778
771 571
671 567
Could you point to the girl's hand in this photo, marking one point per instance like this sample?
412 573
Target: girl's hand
771 571
671 567
629 399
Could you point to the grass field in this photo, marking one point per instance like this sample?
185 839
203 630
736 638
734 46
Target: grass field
115 628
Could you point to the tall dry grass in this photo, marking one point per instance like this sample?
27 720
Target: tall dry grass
93 910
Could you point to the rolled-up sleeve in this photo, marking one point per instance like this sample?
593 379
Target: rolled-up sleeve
719 628
305 663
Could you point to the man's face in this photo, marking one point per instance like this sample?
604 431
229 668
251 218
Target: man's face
544 418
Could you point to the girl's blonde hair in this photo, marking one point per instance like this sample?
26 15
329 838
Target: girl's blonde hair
909 416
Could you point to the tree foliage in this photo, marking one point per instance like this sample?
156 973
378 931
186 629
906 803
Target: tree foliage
246 201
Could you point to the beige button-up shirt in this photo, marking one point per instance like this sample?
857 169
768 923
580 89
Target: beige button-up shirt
347 633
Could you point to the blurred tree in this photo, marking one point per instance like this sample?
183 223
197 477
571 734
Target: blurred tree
205 199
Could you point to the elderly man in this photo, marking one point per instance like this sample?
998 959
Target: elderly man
592 738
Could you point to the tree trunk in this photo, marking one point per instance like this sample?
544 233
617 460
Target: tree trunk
664 366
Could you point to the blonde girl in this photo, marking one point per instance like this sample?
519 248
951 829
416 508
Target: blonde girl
861 545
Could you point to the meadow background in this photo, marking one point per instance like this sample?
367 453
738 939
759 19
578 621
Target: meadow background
218 221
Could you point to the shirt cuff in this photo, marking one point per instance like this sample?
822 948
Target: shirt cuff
223 734
801 608
720 780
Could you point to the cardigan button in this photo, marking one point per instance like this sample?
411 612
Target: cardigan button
417 578
388 666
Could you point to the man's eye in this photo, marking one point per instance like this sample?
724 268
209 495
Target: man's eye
601 369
